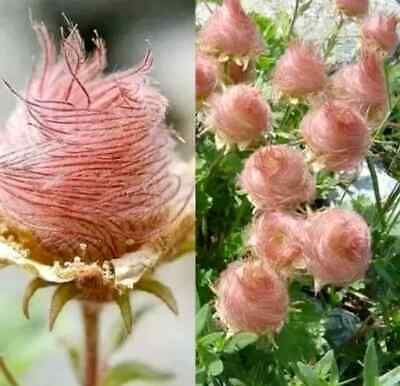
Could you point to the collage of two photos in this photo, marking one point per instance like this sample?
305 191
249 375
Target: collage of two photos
200 193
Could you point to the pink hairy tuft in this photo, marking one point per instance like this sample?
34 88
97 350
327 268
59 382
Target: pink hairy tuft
85 162
229 30
206 75
337 135
353 8
251 297
277 177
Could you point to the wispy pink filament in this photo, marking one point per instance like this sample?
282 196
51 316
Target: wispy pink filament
85 163
206 75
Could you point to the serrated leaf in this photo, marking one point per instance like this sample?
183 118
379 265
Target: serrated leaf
62 295
124 303
128 372
370 373
239 342
211 339
30 290
202 318
160 290
391 378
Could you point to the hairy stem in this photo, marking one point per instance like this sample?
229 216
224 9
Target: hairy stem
90 313
375 185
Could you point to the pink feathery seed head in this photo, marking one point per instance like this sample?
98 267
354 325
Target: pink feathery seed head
362 85
251 297
277 177
353 8
339 247
337 135
88 172
300 71
278 238
379 32
230 31
239 115
206 75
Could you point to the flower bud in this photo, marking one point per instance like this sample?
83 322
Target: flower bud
206 75
379 32
339 247
353 8
300 71
230 31
337 135
239 115
277 238
251 297
362 85
277 177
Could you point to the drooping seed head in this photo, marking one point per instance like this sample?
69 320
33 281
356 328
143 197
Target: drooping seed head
337 135
353 8
277 177
85 162
300 71
206 75
251 297
239 115
278 238
379 32
362 85
339 247
230 31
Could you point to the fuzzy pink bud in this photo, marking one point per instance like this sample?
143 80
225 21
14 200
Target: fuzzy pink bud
300 71
230 31
206 75
353 8
379 31
337 135
339 247
239 115
277 177
89 173
362 85
277 237
251 297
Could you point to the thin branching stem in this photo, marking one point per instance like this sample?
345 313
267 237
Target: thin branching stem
294 18
375 185
333 39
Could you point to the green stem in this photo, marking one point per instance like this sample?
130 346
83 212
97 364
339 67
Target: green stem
294 18
375 185
7 373
333 38
90 313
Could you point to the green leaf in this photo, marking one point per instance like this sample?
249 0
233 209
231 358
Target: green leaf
239 342
127 372
216 368
324 366
308 375
202 318
370 372
391 378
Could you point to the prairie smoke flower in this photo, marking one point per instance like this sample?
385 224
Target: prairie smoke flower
379 32
337 135
300 71
239 115
229 31
206 75
339 247
277 177
353 8
277 238
251 297
87 173
362 85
